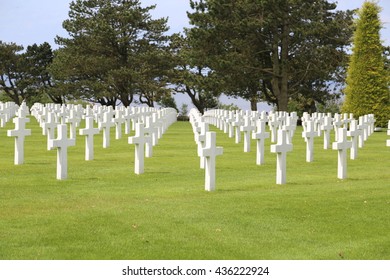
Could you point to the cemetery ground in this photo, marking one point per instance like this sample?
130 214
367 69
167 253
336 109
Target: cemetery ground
105 211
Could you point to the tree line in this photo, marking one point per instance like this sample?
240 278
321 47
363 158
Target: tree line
292 54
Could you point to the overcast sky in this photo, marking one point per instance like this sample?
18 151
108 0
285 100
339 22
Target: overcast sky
26 22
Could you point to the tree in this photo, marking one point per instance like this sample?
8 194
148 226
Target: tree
114 51
273 50
367 90
192 76
10 64
24 76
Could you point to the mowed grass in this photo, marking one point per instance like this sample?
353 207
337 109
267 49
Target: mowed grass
104 211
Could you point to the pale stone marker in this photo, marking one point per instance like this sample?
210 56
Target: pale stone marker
50 126
210 152
118 120
237 124
89 131
201 140
20 132
342 145
260 135
273 125
106 125
327 128
139 139
337 123
309 134
247 129
73 120
354 133
62 143
281 148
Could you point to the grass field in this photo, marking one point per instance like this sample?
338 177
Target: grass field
104 211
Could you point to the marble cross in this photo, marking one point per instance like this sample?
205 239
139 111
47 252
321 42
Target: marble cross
281 148
62 143
260 135
89 131
210 152
342 145
20 132
139 139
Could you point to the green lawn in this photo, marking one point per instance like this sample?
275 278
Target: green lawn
105 211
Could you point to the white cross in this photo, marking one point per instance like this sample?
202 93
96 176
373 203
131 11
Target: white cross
354 133
327 128
20 132
273 124
337 123
201 140
118 120
73 120
260 135
50 126
139 139
281 148
309 134
342 145
247 129
89 131
210 152
363 135
151 131
106 125
62 143
237 124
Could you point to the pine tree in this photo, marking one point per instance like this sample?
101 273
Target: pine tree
367 90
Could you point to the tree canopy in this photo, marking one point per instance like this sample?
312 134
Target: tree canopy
272 51
367 89
114 51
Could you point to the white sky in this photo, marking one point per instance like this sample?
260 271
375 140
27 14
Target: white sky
26 22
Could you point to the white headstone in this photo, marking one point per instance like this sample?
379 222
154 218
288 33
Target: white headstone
260 135
62 143
210 152
309 134
327 128
118 120
106 125
342 145
201 140
273 125
73 121
139 139
89 131
247 129
237 124
281 148
20 132
354 133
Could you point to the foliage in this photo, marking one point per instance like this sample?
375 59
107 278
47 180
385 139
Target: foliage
24 76
114 51
104 211
191 75
272 50
167 101
184 109
368 87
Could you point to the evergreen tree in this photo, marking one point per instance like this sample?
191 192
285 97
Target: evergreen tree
273 50
114 51
367 89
